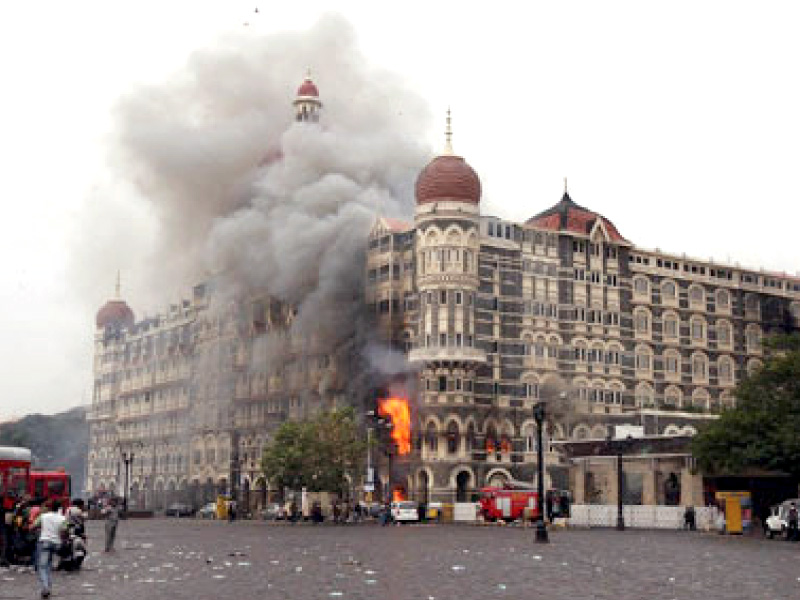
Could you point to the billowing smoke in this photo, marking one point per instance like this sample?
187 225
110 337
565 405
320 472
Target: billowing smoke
241 194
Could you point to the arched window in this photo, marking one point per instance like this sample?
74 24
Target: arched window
644 360
753 365
725 370
672 364
753 339
672 396
699 367
724 333
453 439
752 306
697 296
671 326
529 434
700 399
697 329
669 292
432 437
491 439
644 395
641 321
723 301
641 286
726 400
470 437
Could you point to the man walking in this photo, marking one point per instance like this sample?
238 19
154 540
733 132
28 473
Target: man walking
52 524
112 520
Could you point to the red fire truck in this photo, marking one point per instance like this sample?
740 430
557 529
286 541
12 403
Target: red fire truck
17 479
509 502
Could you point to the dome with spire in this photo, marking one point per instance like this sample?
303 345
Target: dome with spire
308 88
115 313
570 217
448 177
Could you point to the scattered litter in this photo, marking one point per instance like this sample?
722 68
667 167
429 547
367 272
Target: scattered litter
298 569
8 579
237 553
501 586
370 581
536 557
228 563
219 576
274 562
458 567
147 545
368 572
563 564
672 579
88 585
336 593
243 564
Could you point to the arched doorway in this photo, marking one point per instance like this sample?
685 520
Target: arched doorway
497 479
462 486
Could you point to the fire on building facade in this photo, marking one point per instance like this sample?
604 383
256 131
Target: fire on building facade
561 309
494 316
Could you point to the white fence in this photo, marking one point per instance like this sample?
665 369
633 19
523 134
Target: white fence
643 517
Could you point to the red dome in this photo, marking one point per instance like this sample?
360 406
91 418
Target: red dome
448 177
308 89
114 312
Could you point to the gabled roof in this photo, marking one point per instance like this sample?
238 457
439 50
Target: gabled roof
571 217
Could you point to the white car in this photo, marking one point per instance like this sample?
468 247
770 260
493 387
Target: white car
777 522
405 512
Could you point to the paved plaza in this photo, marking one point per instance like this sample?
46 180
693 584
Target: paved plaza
176 559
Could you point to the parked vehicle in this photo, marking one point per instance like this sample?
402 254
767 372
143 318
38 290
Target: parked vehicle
209 511
508 503
178 510
18 479
273 512
777 522
405 511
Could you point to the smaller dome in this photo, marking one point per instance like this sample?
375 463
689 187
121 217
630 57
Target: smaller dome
308 89
114 312
571 217
448 177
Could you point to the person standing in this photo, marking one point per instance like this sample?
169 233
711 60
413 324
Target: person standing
52 525
111 513
791 521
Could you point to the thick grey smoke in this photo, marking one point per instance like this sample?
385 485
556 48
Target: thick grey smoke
240 192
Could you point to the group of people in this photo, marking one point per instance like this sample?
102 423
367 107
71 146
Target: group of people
39 535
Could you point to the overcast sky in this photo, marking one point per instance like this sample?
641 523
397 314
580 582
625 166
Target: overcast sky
678 121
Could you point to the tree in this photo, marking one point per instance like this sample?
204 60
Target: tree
317 454
763 430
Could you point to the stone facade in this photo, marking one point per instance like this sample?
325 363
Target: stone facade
500 315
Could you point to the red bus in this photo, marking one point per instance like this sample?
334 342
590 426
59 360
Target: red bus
17 479
15 469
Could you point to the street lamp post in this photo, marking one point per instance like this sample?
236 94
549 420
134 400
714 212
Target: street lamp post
618 447
127 459
541 529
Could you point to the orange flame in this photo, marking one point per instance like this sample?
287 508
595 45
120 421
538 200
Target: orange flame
396 408
398 495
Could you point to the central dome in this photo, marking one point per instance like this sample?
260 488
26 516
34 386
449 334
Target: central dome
114 313
448 177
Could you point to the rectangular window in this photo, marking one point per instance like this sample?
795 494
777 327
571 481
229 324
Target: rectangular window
443 297
443 339
458 298
458 339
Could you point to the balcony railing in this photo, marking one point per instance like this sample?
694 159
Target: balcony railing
454 353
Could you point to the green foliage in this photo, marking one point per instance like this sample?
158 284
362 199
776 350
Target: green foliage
763 431
315 454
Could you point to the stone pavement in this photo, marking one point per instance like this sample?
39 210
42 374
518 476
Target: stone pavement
176 559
